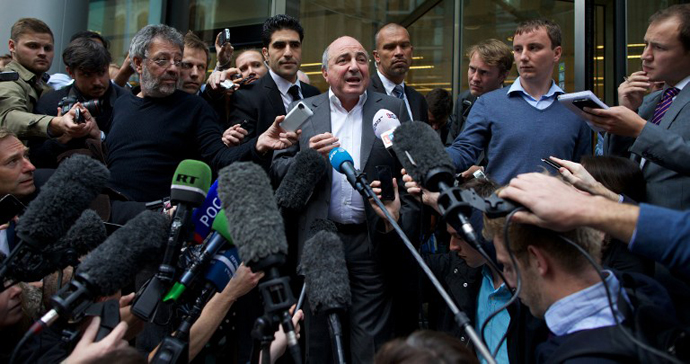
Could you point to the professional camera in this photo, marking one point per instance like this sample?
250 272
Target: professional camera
94 107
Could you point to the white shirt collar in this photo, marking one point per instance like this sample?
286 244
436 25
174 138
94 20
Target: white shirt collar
283 84
682 83
335 101
388 85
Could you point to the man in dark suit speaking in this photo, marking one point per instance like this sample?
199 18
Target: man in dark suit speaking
393 56
259 103
343 118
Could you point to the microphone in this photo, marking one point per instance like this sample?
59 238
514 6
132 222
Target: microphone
68 192
342 162
222 267
109 267
188 190
258 230
215 243
298 184
85 235
316 226
204 216
327 282
385 122
423 156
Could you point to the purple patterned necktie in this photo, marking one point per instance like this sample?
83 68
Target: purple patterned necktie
664 104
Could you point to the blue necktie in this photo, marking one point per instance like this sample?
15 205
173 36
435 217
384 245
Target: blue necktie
399 92
664 104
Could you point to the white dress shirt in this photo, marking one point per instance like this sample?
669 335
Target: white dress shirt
347 205
388 85
283 87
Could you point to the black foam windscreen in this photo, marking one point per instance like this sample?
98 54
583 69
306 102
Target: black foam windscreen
254 221
86 234
114 263
75 183
322 225
298 184
420 151
325 273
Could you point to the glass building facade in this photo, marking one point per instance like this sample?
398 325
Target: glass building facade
602 39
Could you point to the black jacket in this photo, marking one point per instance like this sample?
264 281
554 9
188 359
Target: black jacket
417 101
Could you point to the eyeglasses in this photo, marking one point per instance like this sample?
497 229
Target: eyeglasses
166 62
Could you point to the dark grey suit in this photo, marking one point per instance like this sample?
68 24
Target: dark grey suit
369 314
667 149
417 101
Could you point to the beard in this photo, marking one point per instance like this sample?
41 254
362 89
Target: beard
153 86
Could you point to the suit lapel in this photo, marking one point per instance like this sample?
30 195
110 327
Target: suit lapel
414 103
321 121
678 104
274 97
369 109
377 84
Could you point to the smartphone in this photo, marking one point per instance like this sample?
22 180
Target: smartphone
296 117
586 102
385 175
9 208
551 163
224 37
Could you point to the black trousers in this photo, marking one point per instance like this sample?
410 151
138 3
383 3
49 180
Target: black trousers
367 324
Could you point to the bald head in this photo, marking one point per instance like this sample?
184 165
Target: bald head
387 29
346 69
393 52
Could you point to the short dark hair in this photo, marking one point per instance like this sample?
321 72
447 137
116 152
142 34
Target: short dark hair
87 55
618 174
680 12
440 103
280 22
29 25
90 35
552 29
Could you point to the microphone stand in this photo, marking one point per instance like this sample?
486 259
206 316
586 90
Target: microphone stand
362 186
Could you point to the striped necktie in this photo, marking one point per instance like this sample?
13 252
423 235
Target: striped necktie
664 104
399 92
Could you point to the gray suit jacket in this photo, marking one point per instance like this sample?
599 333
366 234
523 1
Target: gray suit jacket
372 153
666 147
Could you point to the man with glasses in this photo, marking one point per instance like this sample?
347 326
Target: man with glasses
153 131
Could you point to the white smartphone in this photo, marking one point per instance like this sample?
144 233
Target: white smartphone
296 117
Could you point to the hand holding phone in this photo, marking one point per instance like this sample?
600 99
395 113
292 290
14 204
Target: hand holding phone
296 117
552 164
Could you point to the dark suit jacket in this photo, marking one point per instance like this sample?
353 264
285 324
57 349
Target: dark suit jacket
462 108
667 149
372 153
417 101
260 103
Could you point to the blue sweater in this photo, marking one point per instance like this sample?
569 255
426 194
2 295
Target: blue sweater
515 136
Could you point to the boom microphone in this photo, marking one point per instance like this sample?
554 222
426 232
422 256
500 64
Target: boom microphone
299 181
256 225
327 282
109 267
70 190
258 230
